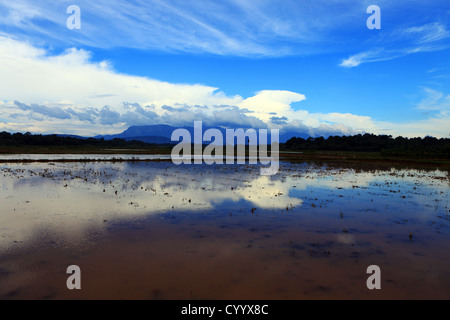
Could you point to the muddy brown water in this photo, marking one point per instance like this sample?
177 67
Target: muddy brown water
154 230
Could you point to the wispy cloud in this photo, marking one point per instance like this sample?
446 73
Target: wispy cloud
206 26
427 33
434 101
402 42
229 27
368 56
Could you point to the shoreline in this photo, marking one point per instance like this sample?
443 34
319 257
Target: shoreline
342 158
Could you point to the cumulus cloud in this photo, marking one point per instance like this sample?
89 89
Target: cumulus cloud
52 112
68 93
279 120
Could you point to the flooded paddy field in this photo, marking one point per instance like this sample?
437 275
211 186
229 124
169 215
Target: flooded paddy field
154 230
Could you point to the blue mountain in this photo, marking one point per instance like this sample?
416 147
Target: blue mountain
161 133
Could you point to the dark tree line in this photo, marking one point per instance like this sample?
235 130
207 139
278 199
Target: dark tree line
374 143
28 139
365 143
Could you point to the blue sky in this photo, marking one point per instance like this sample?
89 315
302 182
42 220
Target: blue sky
310 66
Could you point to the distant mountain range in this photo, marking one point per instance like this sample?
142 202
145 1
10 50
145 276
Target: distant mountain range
161 133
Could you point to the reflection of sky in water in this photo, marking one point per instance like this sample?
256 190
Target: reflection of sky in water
56 157
72 198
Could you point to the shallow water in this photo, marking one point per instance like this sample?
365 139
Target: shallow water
81 157
154 230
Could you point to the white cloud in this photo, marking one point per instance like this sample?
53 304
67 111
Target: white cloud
434 100
402 42
360 123
267 101
228 27
357 59
68 93
427 33
38 86
434 126
233 27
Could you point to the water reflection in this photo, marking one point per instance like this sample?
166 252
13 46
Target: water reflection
305 210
